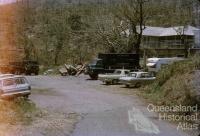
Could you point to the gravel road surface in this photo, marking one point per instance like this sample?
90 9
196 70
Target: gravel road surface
105 110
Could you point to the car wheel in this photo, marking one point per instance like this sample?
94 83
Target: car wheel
115 81
137 85
94 76
107 82
26 96
127 86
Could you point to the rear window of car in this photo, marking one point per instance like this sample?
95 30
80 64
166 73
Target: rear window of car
8 82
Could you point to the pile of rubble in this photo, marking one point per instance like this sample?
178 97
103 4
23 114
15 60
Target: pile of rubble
72 70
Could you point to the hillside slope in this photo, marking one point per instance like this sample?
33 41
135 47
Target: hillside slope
177 84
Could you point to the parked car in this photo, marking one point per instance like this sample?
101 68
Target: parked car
113 78
137 79
14 86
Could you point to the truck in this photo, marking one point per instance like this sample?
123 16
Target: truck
27 67
109 62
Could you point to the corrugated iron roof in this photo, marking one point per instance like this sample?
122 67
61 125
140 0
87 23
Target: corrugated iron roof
170 31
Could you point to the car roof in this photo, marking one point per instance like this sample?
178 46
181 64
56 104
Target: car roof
6 75
11 77
138 72
123 69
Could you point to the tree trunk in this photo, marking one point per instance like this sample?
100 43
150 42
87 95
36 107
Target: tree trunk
56 57
185 46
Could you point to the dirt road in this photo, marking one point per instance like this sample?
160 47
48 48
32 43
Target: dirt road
105 110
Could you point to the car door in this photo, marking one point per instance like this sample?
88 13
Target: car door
147 78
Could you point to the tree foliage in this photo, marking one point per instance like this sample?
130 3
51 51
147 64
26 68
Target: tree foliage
54 32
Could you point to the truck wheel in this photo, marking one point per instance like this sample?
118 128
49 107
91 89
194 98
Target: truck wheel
94 77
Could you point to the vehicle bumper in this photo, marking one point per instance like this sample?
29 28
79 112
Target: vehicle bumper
16 94
105 79
124 82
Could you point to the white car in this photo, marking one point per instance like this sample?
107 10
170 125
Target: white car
14 86
137 79
113 78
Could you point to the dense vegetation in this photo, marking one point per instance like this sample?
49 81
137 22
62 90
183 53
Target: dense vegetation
57 32
174 84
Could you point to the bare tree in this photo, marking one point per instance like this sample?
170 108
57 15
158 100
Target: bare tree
181 34
184 18
134 13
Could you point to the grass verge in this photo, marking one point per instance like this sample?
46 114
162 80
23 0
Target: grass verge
174 87
18 111
173 84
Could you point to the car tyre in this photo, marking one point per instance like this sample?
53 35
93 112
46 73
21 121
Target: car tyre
127 86
94 76
107 82
115 81
137 85
26 96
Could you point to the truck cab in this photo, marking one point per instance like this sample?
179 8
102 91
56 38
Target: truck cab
94 68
